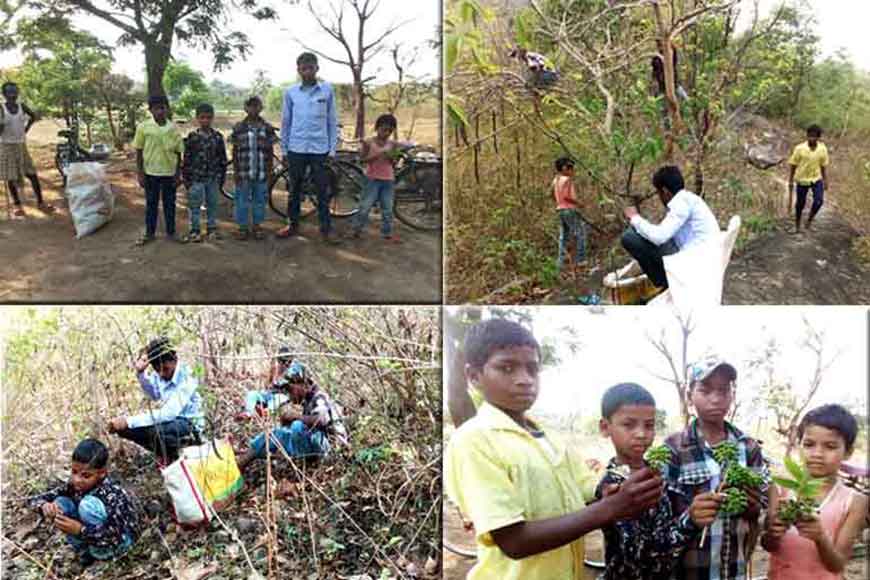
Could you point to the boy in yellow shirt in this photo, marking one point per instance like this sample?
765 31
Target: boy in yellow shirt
519 485
158 147
807 166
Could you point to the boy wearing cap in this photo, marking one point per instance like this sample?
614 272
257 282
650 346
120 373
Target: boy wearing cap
301 435
273 398
166 429
693 470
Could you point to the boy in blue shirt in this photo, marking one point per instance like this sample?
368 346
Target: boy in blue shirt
309 134
164 430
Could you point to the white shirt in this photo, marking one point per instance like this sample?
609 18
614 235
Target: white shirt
14 126
689 222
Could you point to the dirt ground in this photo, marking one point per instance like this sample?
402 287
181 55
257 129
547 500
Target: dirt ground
43 262
456 567
813 267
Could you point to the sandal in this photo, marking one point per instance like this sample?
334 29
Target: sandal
393 238
45 207
287 232
241 235
192 237
144 240
19 211
259 234
213 236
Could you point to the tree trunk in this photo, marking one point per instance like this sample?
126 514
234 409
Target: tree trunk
359 107
113 128
88 133
156 59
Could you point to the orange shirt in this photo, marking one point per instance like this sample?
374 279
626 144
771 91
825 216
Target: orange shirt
563 190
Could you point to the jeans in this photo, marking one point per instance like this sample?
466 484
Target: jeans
198 190
377 190
299 162
297 440
245 192
171 436
648 255
818 189
157 186
90 512
571 227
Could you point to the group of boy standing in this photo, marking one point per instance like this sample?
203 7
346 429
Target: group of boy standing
532 499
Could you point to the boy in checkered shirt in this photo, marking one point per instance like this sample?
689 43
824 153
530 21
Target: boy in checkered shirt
730 539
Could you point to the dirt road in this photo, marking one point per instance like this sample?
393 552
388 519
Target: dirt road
813 267
43 262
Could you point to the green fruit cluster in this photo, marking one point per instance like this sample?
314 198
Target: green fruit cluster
735 502
795 510
738 476
726 453
657 457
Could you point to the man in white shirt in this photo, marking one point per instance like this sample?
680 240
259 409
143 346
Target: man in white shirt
164 430
689 223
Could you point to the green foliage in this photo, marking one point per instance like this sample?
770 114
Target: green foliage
185 87
806 490
726 453
736 501
657 457
739 476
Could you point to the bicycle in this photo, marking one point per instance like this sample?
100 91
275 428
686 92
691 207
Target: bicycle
418 189
71 151
345 182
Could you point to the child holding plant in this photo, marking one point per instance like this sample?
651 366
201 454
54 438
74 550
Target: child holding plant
806 542
518 483
703 460
649 547
379 153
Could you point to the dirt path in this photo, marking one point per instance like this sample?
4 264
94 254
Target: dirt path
43 262
813 267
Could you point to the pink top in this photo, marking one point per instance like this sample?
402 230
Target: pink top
381 167
797 557
563 190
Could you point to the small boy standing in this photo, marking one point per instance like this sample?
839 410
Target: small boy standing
649 547
203 170
808 166
253 140
519 484
570 222
378 154
97 515
693 470
158 147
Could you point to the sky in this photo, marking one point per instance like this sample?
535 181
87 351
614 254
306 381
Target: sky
841 24
275 46
615 349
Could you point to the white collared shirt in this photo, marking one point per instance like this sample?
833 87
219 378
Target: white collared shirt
689 222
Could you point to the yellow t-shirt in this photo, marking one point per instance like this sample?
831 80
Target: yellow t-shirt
160 145
499 474
809 163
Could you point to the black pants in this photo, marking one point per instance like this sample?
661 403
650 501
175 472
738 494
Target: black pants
648 255
163 439
299 163
34 182
157 186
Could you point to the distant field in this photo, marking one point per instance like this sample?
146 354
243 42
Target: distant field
426 129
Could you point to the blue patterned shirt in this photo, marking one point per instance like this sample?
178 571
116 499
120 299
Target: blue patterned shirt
309 122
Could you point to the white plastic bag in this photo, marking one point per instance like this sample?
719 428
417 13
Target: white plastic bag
90 197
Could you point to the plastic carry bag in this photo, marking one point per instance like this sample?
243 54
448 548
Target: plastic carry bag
90 197
204 479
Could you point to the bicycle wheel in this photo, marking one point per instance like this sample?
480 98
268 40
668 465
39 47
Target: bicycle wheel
279 196
419 196
347 185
